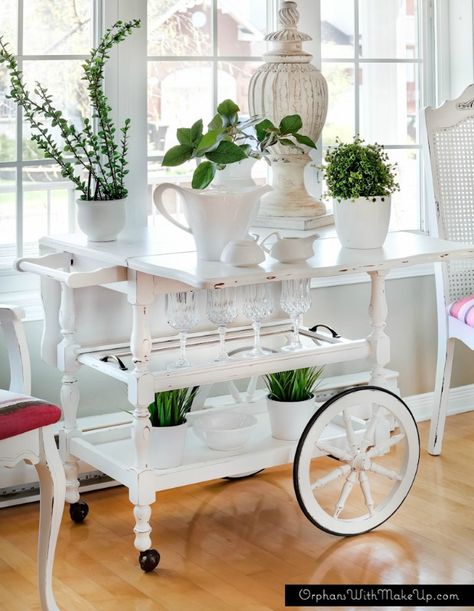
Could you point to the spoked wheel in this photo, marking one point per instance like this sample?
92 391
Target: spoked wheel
366 470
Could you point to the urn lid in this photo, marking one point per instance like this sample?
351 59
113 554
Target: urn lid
288 40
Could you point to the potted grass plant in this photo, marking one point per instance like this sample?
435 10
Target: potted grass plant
290 400
94 160
168 426
360 179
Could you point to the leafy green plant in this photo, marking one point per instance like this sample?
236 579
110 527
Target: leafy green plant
99 155
171 406
229 140
356 170
293 385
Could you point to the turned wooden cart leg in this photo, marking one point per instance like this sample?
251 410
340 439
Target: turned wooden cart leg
141 394
67 363
379 346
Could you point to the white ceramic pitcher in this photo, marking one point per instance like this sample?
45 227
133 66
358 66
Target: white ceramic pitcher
215 216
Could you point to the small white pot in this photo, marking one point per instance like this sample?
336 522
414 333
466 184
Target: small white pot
166 445
362 223
101 221
288 419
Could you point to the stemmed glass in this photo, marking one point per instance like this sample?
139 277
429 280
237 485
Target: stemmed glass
221 311
257 305
295 300
182 310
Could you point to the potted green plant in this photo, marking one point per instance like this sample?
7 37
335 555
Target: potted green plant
361 180
168 421
94 160
290 400
231 141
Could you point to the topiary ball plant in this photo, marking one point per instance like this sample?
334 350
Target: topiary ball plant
356 170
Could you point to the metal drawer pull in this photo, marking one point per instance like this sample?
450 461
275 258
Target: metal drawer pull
115 359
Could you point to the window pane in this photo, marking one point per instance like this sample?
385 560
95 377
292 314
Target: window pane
7 215
48 203
241 27
337 28
63 81
340 119
7 120
406 202
57 27
8 28
179 28
233 80
397 37
179 93
388 103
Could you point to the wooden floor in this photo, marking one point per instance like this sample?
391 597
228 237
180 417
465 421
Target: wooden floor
233 545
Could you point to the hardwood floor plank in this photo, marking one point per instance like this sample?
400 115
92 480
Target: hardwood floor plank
232 546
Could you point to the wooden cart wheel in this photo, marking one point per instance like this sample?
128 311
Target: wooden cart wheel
364 476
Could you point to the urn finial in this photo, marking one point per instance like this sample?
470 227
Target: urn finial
288 16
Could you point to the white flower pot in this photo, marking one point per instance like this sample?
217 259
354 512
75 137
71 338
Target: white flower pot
101 221
166 445
362 223
288 419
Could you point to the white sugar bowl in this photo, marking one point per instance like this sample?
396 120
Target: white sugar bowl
243 253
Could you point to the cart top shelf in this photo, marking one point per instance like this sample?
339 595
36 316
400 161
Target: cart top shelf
169 254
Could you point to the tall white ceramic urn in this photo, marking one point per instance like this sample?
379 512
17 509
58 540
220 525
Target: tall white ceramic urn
286 84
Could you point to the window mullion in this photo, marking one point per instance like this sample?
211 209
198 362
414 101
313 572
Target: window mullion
356 69
215 65
19 141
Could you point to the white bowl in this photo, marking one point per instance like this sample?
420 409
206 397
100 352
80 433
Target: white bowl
224 431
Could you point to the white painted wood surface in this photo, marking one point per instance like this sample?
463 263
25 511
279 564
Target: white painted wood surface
450 138
160 263
38 448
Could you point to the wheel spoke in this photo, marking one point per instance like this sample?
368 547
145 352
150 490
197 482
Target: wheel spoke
382 448
370 431
350 431
375 468
345 492
331 476
365 485
328 448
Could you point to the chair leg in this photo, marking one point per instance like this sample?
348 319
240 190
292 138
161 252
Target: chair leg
441 395
52 492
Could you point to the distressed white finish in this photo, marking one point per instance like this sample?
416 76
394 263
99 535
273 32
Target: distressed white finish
286 84
38 448
450 139
157 266
356 456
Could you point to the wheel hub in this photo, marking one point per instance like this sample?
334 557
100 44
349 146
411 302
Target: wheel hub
360 462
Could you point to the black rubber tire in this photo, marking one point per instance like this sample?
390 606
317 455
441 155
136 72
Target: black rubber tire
303 439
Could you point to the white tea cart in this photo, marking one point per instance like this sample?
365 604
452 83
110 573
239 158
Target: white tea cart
357 457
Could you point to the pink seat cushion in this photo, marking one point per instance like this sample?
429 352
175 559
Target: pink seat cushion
20 413
463 310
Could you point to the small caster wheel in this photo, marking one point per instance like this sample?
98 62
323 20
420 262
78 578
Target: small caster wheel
78 511
149 560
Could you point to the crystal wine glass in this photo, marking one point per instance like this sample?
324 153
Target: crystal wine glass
295 300
257 305
221 311
182 310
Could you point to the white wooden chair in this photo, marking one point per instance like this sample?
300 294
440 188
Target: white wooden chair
26 434
450 138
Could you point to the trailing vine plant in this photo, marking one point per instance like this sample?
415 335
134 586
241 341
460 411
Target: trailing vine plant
94 159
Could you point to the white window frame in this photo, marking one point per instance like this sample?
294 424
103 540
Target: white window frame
128 99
